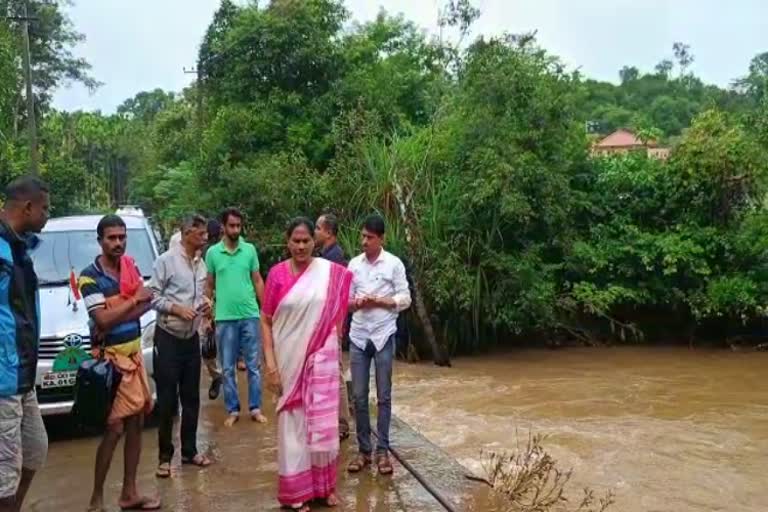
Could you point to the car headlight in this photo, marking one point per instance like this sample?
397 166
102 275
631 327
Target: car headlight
148 336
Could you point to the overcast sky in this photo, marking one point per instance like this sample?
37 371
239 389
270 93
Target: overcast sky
137 45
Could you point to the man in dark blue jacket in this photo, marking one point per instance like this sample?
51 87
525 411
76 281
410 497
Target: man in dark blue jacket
326 233
23 441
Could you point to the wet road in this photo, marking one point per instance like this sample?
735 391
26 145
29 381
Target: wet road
244 476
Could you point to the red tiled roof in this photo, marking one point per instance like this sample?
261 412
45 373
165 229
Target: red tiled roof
620 138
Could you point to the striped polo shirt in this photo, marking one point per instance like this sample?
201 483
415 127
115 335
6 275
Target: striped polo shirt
97 286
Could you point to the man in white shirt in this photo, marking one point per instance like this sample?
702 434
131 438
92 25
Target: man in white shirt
379 292
211 363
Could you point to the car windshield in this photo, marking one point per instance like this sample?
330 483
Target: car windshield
61 251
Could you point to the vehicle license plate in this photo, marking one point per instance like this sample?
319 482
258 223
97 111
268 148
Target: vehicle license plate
59 379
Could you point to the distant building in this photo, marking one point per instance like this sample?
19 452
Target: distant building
624 141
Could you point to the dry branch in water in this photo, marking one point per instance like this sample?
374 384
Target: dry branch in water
532 482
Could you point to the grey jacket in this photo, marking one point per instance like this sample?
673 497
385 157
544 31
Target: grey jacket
178 280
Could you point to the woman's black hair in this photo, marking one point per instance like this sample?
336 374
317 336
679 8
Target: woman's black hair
300 221
214 230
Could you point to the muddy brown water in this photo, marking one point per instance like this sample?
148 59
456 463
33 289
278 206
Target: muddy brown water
666 429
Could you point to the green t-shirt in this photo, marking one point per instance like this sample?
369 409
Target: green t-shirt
235 296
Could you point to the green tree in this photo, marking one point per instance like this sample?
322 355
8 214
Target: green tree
683 56
146 105
478 158
9 82
628 73
755 84
52 39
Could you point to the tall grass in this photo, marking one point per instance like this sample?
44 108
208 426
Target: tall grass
450 236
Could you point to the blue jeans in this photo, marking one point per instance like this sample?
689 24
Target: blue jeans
360 366
240 337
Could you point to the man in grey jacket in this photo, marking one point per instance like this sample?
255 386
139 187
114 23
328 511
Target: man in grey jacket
178 285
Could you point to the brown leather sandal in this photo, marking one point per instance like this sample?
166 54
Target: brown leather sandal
384 464
359 463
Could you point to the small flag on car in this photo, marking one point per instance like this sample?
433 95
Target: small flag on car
73 284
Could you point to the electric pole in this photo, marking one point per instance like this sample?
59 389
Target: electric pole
199 98
34 157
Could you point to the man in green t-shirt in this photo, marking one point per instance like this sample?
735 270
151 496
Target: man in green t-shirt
233 275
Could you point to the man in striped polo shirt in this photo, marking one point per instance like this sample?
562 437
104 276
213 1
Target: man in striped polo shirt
115 312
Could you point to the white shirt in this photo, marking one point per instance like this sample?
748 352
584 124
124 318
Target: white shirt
177 279
385 277
175 242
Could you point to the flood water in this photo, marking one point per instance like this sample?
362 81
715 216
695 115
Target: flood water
666 429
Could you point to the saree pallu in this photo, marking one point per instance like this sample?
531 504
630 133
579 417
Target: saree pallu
306 310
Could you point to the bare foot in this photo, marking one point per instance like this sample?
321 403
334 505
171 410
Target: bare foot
257 416
332 500
140 503
96 505
231 420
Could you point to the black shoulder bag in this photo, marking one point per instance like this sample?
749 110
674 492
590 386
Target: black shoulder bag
95 390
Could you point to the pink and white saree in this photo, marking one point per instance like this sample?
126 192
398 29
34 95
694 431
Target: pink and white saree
305 311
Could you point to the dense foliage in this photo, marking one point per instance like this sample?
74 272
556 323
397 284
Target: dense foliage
476 152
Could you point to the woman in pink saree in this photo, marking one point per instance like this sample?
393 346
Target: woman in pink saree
305 302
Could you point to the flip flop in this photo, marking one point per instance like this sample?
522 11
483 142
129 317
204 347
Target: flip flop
163 470
144 503
198 460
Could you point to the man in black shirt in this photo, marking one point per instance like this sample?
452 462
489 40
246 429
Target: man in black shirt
211 363
326 232
327 229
